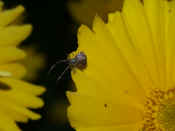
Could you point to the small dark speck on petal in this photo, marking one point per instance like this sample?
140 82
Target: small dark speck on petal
126 92
105 105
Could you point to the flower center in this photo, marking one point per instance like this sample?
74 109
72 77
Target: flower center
166 116
160 111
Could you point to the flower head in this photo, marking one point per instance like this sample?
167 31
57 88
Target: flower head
129 82
16 95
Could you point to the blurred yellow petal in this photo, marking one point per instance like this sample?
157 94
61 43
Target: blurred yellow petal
10 54
23 98
11 106
9 16
16 34
7 124
20 84
17 96
16 70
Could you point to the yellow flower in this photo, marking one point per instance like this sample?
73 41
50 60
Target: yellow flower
37 60
16 95
129 82
84 10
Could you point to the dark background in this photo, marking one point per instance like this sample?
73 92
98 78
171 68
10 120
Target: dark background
54 33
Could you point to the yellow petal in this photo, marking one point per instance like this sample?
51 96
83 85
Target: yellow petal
7 124
169 42
9 16
23 86
22 98
16 70
154 12
120 34
14 35
15 115
9 54
10 106
140 34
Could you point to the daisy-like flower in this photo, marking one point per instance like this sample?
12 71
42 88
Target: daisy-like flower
16 95
129 81
83 11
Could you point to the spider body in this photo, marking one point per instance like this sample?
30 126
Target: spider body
79 62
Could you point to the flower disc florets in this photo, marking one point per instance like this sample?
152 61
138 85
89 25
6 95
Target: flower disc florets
160 111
